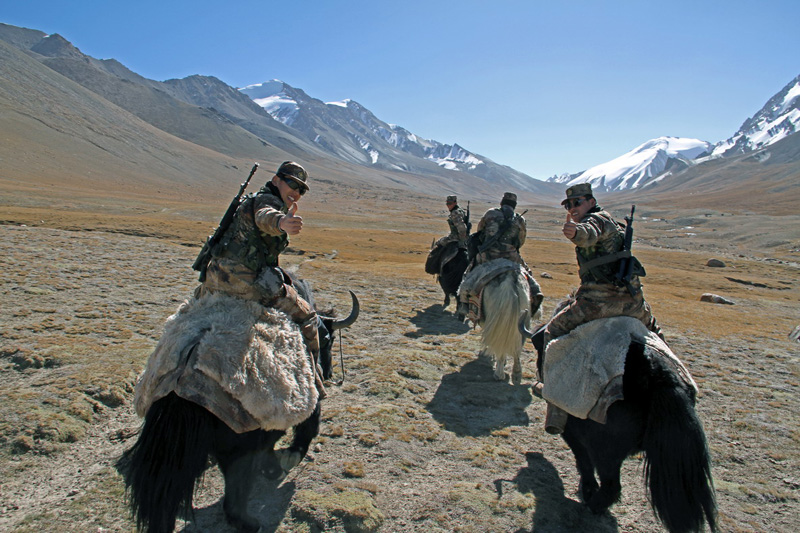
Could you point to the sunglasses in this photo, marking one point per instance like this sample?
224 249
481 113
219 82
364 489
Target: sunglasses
295 186
569 204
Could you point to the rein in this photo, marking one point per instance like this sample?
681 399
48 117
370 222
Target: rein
341 359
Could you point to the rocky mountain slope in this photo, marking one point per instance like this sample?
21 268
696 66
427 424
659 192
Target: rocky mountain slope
206 111
778 119
353 133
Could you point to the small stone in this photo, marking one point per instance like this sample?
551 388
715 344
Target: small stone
715 299
716 263
546 275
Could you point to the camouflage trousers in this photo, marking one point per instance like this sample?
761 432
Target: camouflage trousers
601 300
269 288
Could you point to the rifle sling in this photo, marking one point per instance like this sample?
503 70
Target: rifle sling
586 268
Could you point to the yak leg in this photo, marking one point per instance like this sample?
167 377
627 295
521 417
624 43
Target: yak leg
610 486
606 461
239 478
238 460
500 367
516 372
588 484
304 433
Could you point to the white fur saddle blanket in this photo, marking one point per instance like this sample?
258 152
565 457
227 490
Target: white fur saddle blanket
471 288
243 362
583 369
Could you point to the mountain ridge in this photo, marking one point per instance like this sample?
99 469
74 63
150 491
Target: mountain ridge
230 127
659 160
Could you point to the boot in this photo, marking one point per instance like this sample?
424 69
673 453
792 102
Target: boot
462 310
305 317
555 420
536 304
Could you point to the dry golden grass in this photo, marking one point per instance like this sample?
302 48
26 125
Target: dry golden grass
418 436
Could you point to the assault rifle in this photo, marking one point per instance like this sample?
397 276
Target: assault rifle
201 263
627 262
467 222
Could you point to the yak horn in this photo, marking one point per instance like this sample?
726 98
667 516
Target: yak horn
523 317
347 322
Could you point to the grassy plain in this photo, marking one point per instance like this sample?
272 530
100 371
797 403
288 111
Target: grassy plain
418 437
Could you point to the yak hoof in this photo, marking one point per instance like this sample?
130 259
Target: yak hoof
271 466
288 459
243 523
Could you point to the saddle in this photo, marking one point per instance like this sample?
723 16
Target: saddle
440 256
245 363
583 369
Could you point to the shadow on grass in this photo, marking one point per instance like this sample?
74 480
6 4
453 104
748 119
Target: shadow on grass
269 505
554 510
435 320
471 402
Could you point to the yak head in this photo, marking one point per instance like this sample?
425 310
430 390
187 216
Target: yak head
327 325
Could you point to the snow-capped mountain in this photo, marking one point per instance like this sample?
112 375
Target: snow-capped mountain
353 133
779 118
659 159
642 165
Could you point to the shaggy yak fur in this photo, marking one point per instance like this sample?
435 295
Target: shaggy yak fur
501 291
657 417
448 263
226 381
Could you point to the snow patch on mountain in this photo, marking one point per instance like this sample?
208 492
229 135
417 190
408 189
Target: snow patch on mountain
450 156
272 97
641 165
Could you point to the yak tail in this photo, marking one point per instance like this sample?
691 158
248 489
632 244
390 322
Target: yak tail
504 299
170 456
677 463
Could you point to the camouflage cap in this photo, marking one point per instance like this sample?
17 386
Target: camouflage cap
509 198
578 190
452 199
293 171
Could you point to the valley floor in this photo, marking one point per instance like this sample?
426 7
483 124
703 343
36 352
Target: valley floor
419 437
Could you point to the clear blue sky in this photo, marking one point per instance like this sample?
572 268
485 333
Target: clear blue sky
545 87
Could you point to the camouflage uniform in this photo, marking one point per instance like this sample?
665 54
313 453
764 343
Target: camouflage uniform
507 245
598 240
600 294
245 264
458 229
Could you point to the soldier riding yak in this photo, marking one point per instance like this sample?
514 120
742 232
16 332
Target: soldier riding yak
237 366
612 384
447 258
